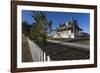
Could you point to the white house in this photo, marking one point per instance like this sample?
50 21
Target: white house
67 30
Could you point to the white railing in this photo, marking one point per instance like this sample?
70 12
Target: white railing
37 53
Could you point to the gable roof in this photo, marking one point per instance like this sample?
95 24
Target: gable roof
71 23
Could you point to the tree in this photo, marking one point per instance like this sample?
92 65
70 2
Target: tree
40 28
25 28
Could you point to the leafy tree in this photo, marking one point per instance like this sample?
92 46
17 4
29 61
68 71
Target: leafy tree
41 27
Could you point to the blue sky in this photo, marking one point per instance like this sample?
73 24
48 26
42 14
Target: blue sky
62 17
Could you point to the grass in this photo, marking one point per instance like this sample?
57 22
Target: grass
85 40
70 39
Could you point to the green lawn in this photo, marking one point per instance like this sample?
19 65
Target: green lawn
85 41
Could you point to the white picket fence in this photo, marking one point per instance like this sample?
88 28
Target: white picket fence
37 53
